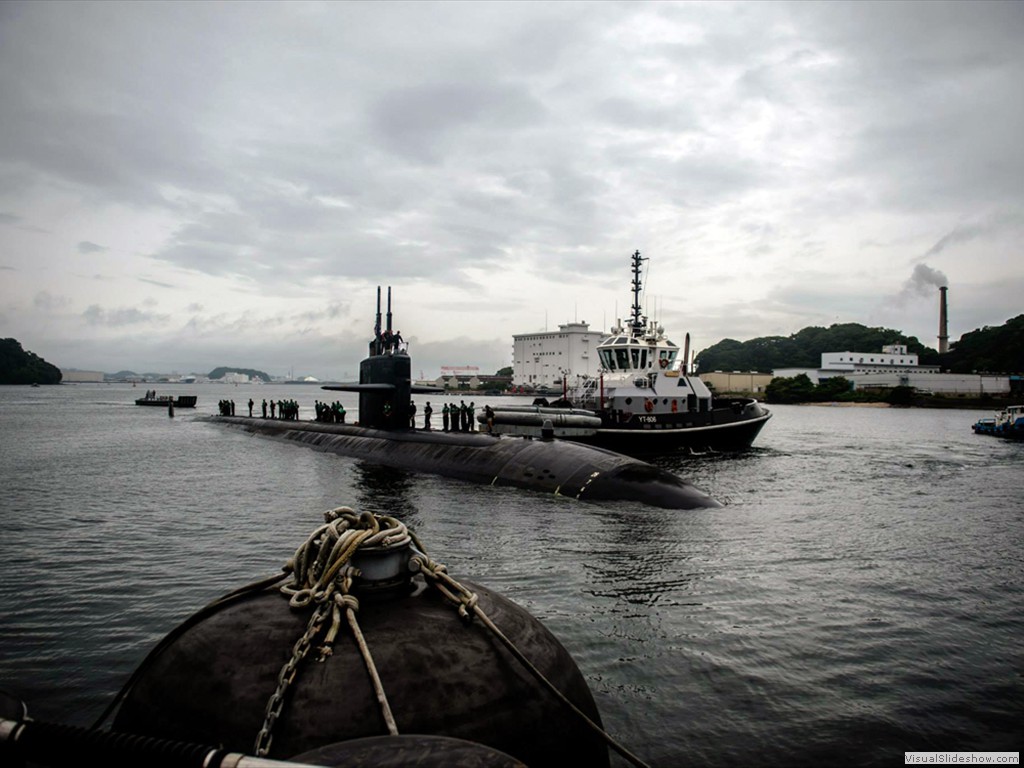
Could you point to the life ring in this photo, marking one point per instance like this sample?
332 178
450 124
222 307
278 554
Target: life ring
648 405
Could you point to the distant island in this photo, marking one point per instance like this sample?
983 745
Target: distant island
19 366
219 373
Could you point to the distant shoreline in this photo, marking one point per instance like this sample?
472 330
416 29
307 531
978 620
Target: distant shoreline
841 404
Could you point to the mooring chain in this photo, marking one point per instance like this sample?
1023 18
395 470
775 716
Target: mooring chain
286 677
321 576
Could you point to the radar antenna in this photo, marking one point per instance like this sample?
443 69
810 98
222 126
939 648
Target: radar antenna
639 322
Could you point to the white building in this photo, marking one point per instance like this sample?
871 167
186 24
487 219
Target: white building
542 359
970 384
895 367
893 358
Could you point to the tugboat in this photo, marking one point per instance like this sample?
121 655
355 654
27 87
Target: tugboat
384 436
182 401
1008 423
646 398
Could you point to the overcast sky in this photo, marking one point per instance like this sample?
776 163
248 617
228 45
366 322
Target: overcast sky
186 185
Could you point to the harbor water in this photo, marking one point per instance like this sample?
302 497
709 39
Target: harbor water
859 595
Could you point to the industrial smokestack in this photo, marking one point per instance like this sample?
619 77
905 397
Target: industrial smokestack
943 323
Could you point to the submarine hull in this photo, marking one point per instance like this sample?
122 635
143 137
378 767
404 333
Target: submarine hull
553 466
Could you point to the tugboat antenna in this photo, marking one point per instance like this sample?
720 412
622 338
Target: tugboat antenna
638 320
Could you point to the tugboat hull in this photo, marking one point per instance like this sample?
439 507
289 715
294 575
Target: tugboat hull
721 430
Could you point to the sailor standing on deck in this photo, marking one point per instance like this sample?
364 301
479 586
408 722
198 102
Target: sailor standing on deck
251 404
444 417
426 416
264 407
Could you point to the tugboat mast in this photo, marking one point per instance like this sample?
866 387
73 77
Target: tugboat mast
639 321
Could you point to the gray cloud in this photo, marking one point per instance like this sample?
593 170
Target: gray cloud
156 283
47 302
124 316
288 154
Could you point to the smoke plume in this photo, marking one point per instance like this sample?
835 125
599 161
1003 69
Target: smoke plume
923 281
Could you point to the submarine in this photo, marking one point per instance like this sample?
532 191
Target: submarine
383 436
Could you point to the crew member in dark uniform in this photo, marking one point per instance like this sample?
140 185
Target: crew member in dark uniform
444 417
426 416
251 404
264 407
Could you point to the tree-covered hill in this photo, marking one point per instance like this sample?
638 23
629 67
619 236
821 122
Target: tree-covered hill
991 350
19 366
803 349
218 373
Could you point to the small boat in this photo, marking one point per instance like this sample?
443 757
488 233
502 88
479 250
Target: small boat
182 401
646 400
1008 423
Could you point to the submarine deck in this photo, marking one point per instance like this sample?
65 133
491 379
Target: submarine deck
564 468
